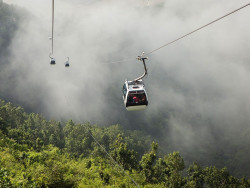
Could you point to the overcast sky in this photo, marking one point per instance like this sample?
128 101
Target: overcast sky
205 75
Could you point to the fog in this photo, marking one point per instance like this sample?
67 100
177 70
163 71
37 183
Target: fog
198 87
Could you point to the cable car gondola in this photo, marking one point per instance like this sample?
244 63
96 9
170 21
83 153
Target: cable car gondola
67 63
52 60
134 92
135 95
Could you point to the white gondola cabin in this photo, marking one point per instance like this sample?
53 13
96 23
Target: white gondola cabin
134 95
52 61
67 63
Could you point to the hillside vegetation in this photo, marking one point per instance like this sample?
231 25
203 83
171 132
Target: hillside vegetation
39 153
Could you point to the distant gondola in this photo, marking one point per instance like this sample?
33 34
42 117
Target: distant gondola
52 61
67 63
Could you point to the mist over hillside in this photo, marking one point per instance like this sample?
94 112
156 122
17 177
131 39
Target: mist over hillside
199 99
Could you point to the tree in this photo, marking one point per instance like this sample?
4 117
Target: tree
214 177
123 155
175 164
160 171
77 141
147 162
4 178
195 175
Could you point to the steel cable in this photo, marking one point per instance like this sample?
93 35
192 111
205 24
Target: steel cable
103 148
52 38
196 30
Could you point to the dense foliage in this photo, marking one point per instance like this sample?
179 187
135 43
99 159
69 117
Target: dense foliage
35 152
39 153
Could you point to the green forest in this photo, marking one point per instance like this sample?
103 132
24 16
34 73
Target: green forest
39 153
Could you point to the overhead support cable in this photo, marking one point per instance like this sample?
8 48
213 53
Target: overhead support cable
52 35
121 61
202 27
197 29
103 148
114 161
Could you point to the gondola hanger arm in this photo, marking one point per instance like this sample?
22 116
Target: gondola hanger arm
141 58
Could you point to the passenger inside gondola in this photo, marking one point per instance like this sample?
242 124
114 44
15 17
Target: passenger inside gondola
130 98
143 99
137 99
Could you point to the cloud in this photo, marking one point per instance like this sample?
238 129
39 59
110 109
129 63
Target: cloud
197 82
